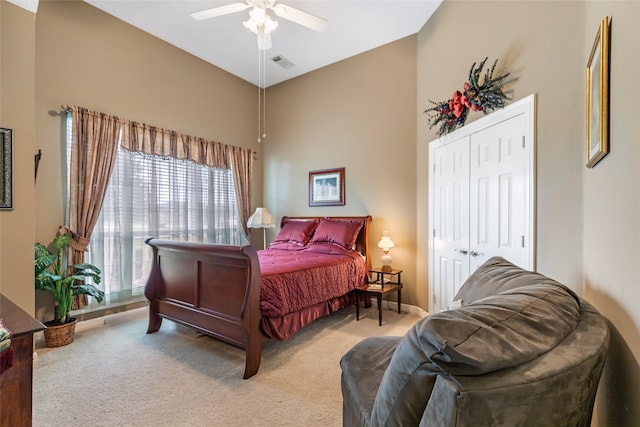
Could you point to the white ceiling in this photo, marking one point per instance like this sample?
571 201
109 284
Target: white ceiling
355 26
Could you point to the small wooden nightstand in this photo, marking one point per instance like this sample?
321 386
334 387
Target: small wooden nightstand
379 293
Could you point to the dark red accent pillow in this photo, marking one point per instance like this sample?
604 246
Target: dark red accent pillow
339 232
296 232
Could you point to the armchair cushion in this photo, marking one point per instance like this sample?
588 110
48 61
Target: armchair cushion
494 333
495 276
362 369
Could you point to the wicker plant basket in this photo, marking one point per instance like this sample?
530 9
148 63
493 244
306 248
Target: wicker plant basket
59 335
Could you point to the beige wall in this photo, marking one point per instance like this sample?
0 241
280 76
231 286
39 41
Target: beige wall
86 57
89 58
358 114
17 99
611 208
538 52
586 218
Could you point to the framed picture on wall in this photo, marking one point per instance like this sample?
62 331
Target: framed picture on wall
597 98
326 187
6 168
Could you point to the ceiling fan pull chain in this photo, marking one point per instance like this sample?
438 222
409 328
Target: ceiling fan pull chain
264 94
259 93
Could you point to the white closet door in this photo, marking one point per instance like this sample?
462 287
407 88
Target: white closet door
450 241
498 193
481 204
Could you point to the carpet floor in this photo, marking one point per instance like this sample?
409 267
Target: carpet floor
117 375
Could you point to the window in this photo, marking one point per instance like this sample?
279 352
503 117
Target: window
151 196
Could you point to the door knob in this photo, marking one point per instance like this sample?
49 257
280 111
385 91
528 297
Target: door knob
462 251
474 253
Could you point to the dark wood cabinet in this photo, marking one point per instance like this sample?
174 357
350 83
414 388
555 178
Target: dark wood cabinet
16 382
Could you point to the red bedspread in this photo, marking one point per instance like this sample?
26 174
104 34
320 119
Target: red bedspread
295 280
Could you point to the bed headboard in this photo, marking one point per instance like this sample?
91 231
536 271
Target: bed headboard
362 241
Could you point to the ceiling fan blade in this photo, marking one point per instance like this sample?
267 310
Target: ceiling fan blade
299 17
219 11
264 41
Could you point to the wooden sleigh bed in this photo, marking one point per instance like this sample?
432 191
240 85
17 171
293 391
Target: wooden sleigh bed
244 297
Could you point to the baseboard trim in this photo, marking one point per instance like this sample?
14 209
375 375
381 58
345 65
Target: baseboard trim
406 308
111 307
111 319
136 313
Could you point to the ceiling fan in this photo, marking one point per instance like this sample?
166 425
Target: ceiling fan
259 22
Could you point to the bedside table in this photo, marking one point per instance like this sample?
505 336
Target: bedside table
394 284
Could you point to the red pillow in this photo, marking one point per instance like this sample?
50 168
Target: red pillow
339 232
296 232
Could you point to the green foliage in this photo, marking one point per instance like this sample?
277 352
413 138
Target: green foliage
488 95
52 273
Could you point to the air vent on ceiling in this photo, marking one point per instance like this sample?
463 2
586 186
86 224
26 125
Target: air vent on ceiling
282 61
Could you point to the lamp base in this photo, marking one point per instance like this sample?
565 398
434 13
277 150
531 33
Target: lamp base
386 262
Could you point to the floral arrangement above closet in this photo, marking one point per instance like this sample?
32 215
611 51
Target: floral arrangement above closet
486 97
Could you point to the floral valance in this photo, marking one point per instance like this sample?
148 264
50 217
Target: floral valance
142 138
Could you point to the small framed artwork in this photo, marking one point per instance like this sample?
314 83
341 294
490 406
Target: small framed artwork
326 187
597 99
6 169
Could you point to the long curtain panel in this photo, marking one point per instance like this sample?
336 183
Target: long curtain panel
93 152
241 162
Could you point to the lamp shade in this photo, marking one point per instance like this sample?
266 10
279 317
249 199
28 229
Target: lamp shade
261 218
385 242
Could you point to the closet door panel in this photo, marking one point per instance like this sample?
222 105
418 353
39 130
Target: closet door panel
497 193
450 220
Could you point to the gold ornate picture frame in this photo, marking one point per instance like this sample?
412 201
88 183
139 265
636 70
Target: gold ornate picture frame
597 102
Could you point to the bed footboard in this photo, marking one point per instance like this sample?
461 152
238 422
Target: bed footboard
212 288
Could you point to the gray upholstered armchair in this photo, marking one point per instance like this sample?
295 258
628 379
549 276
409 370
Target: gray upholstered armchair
522 350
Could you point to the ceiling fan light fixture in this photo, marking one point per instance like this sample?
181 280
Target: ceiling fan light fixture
257 15
269 25
260 22
251 26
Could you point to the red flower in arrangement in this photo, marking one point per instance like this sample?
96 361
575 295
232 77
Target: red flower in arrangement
458 103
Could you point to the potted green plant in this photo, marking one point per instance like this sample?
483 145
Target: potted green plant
64 281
